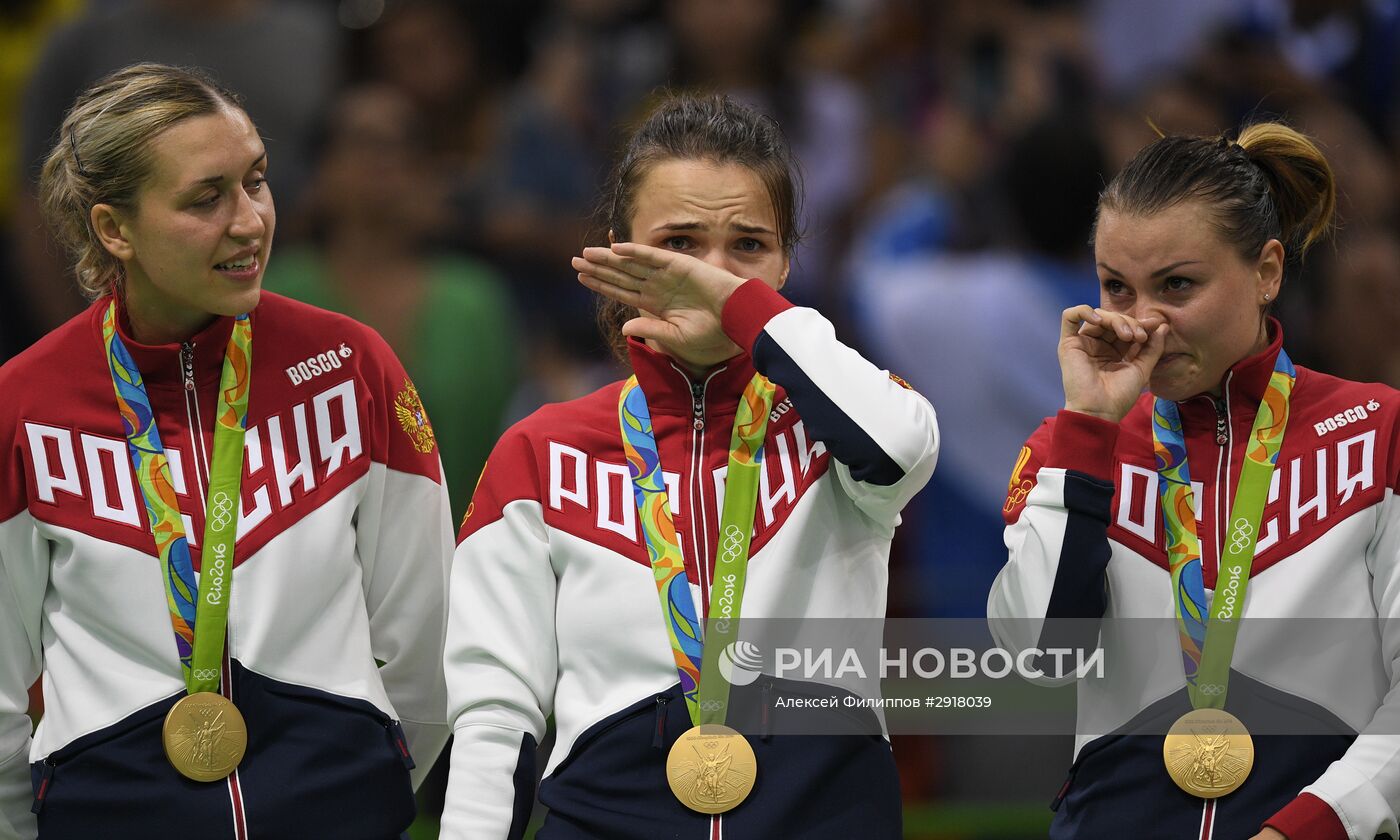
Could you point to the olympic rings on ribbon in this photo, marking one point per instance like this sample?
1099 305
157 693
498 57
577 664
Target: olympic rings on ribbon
222 512
729 550
1240 537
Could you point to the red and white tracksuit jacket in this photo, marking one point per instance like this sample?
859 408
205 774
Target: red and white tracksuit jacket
554 605
344 537
1085 538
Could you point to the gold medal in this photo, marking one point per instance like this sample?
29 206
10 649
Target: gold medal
1208 753
204 736
711 768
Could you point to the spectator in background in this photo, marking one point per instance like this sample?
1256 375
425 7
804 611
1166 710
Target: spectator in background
372 206
23 26
254 46
1348 45
521 162
1361 307
428 50
1186 104
928 315
1141 43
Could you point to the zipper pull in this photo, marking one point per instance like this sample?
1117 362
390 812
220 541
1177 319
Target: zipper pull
658 740
697 395
1060 797
1222 424
44 779
187 364
400 742
1064 788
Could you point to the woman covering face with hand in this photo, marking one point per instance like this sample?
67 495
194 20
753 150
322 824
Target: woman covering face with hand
751 467
1238 486
220 508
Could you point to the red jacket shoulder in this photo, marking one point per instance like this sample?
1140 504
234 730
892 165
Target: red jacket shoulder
515 469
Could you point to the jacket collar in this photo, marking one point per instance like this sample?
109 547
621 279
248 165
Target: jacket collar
160 364
670 389
1243 384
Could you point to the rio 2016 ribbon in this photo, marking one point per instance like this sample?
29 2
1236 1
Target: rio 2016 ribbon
199 616
1208 644
696 653
711 768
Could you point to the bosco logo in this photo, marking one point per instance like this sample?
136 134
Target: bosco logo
1342 419
319 364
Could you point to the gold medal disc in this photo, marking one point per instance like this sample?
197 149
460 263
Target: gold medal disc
204 736
711 769
1208 753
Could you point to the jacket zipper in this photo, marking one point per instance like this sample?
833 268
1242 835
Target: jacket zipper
1222 423
699 529
196 452
697 405
187 365
199 456
697 493
1224 439
1224 443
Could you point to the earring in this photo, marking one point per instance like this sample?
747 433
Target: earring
1266 298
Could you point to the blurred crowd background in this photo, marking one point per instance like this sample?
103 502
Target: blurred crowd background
435 165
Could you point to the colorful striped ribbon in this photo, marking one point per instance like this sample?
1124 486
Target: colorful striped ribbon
696 662
199 631
1207 667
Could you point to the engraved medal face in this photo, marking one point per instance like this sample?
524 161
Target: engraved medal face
205 737
1208 753
711 769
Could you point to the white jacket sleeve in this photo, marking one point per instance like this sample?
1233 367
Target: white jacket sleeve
404 540
1057 513
502 660
24 573
1363 786
882 434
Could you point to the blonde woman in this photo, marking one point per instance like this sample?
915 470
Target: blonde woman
227 565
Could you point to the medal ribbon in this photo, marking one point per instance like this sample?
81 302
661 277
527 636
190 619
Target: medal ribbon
1207 666
705 690
199 630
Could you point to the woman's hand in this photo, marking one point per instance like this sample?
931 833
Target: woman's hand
1268 834
1106 359
680 297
